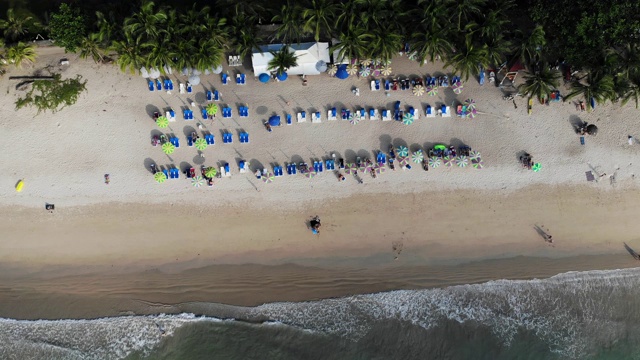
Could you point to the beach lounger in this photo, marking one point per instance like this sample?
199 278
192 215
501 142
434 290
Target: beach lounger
288 119
185 114
302 116
332 114
151 88
227 170
182 88
373 85
414 113
581 140
171 115
241 79
244 137
166 173
294 169
331 164
446 111
189 88
429 111
176 173
165 84
170 85
238 82
386 115
210 139
387 85
315 118
175 141
204 114
363 114
242 166
227 112
223 172
190 114
277 171
225 79
158 85
227 138
381 158
209 95
190 141
320 166
216 95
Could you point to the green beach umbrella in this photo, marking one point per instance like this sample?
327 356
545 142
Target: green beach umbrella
462 161
407 119
268 178
210 172
417 157
402 151
351 168
311 174
448 161
477 163
197 181
434 161
200 144
212 109
432 90
162 122
160 177
168 148
536 167
474 154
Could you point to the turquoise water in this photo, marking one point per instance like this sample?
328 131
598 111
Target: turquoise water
579 315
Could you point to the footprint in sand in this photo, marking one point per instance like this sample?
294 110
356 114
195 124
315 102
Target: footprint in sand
397 249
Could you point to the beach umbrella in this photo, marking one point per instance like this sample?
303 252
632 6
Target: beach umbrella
197 181
470 104
321 66
457 87
462 161
432 90
168 148
217 70
403 161
342 72
167 69
385 70
379 168
196 72
448 161
332 70
418 90
407 119
592 130
352 69
282 76
268 178
311 174
210 172
162 122
154 73
536 167
200 144
194 80
413 56
402 151
353 120
434 161
477 163
365 62
264 78
274 120
417 157
351 168
365 71
144 73
474 154
212 109
185 71
365 168
160 177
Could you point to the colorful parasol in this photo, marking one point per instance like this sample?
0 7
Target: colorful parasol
380 168
332 70
269 177
352 69
434 162
457 87
536 167
160 177
402 151
168 148
413 55
212 109
474 154
365 168
210 172
432 90
197 181
365 71
403 161
200 144
462 161
477 163
351 168
407 119
311 174
470 104
418 90
386 70
448 161
162 122
417 157
365 62
353 120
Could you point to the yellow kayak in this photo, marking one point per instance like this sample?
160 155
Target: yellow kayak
530 108
19 185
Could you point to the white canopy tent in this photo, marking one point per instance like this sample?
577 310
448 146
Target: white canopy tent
309 54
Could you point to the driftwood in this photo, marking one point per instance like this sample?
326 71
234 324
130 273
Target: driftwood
31 78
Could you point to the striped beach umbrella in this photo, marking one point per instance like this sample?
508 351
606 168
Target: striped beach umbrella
168 148
417 157
407 119
352 69
536 167
160 177
470 104
197 181
162 122
269 177
432 90
457 87
311 174
351 168
353 120
386 70
474 154
448 161
403 161
200 144
462 161
380 168
477 163
402 151
434 162
210 172
365 62
418 90
332 70
413 55
212 109
365 71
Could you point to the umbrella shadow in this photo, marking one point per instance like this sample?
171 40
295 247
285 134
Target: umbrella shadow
184 166
148 162
457 142
262 110
155 132
415 147
350 155
296 159
200 98
632 252
364 154
399 142
427 146
188 130
385 141
198 159
151 109
576 123
255 165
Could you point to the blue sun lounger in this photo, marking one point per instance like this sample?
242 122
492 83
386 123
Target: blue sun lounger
204 114
288 119
226 112
381 158
227 138
189 88
377 84
244 111
165 84
175 141
387 85
244 137
277 171
210 139
225 79
289 169
209 95
189 141
158 85
216 95
175 173
171 87
166 173
331 164
185 114
151 88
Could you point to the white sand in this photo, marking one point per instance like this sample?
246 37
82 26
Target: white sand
63 156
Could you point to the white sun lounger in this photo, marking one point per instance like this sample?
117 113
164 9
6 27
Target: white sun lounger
182 88
223 173
373 85
386 115
446 112
376 115
170 117
429 111
302 117
316 118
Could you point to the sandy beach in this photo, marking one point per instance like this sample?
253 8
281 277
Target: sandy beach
405 219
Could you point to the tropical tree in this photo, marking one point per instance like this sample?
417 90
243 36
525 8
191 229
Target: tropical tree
283 59
129 53
318 18
632 91
384 44
90 47
147 24
529 46
598 87
626 59
353 44
243 31
15 26
289 30
540 84
465 10
431 43
67 27
107 27
21 53
497 48
468 60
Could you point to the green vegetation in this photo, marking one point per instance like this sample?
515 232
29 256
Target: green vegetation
20 54
539 84
53 94
67 27
283 59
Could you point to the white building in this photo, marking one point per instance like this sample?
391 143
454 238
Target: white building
311 56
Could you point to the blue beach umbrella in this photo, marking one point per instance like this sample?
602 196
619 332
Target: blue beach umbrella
282 76
264 78
274 120
342 72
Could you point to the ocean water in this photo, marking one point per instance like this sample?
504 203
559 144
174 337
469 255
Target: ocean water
576 315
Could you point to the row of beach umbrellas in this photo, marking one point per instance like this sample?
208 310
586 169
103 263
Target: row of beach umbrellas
196 181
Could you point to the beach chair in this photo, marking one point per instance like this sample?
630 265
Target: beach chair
229 112
446 111
176 173
204 114
238 81
171 115
190 141
223 172
429 111
315 118
225 78
373 85
242 166
241 79
189 88
165 84
182 89
188 114
210 139
381 158
151 88
277 171
175 141
209 95
244 137
166 173
331 114
386 115
387 85
288 119
185 114
302 116
331 164
158 85
414 113
170 85
320 166
216 95
227 170
363 114
289 171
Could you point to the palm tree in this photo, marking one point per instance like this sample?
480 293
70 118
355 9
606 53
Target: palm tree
627 59
598 87
540 84
107 27
15 26
90 46
632 91
146 24
347 11
466 9
469 59
353 44
21 53
384 44
493 24
529 48
289 30
244 32
497 47
431 43
208 56
283 59
129 53
319 17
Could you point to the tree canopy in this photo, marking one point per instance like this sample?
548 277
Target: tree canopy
67 27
